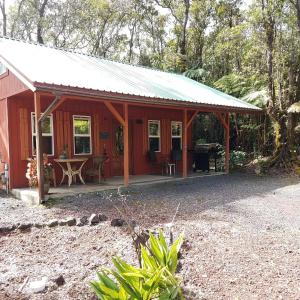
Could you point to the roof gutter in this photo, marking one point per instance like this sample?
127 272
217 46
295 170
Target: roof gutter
179 104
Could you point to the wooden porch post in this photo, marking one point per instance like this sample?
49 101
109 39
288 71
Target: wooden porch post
184 144
227 142
126 146
39 148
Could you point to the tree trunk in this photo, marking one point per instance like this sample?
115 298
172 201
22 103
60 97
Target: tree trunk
4 18
41 13
282 156
182 46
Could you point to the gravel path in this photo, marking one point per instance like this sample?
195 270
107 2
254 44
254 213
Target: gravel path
243 234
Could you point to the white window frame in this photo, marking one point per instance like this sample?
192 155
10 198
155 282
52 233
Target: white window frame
82 135
176 136
33 134
154 136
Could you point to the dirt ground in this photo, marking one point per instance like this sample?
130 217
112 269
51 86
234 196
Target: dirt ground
243 233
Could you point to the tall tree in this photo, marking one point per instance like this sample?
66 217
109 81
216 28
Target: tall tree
4 17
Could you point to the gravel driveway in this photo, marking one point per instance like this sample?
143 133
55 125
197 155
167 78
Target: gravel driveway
242 232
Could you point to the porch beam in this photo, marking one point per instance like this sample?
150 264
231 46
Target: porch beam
126 145
154 104
39 148
222 119
184 144
115 113
192 118
54 104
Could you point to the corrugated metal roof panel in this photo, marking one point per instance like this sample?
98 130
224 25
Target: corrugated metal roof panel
38 63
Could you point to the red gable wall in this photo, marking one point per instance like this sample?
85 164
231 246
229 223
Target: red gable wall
10 85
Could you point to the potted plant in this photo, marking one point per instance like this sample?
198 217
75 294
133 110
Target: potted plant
31 173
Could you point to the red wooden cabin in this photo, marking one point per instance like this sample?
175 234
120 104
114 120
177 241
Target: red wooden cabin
46 94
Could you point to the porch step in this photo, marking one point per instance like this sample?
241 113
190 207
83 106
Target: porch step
28 195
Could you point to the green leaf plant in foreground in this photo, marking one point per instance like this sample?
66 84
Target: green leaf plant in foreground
156 278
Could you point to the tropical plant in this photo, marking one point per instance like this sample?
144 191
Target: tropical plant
156 278
199 74
31 172
237 158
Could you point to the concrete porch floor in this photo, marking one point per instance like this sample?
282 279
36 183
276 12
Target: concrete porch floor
30 195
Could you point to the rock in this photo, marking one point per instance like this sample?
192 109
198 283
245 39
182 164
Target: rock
52 223
7 228
38 286
117 222
79 222
71 221
94 219
59 280
62 222
84 220
25 226
38 225
102 218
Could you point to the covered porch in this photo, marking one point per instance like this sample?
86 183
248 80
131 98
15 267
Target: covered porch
134 119
31 196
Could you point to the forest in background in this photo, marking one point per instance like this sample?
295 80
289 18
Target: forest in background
248 49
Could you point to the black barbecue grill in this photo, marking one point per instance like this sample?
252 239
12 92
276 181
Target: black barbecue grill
203 153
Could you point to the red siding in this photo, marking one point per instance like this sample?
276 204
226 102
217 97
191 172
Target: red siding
4 145
10 85
102 121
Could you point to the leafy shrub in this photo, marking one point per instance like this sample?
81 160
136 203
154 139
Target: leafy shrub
154 280
237 158
201 141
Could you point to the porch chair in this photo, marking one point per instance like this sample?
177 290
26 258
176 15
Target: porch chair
176 156
97 169
162 163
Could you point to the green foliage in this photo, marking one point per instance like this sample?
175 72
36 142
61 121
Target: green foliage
237 159
155 280
233 84
294 108
258 98
201 141
199 75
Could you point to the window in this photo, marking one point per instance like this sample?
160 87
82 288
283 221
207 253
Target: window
154 135
3 69
47 135
82 135
176 134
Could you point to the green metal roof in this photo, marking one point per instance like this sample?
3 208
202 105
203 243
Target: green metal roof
38 65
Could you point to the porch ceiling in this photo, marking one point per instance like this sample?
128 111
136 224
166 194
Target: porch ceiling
45 68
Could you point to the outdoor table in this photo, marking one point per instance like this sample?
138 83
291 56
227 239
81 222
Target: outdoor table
69 171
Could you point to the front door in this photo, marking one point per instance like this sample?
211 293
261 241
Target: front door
136 158
117 148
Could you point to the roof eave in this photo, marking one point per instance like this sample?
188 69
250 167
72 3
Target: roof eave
90 93
18 74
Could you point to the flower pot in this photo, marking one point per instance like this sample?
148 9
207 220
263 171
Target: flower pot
46 187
